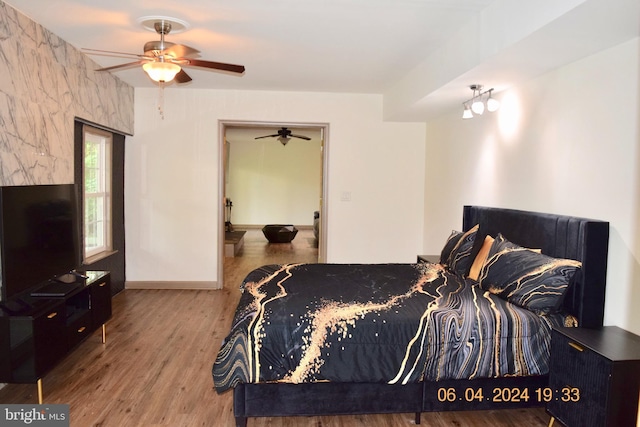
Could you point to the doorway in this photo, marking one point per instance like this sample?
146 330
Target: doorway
242 135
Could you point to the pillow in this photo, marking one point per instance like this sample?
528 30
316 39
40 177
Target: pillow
460 259
481 257
451 242
529 279
479 260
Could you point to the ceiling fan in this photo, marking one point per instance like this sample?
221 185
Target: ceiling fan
164 61
284 135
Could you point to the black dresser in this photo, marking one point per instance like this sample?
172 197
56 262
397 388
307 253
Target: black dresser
594 377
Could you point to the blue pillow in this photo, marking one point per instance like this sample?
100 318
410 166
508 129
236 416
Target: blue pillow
460 258
451 242
527 278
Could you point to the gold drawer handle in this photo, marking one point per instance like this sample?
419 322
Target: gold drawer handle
81 330
102 284
576 346
52 315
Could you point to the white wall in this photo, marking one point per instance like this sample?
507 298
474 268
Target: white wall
568 143
274 184
172 178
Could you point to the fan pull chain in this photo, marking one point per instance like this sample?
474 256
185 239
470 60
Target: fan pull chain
161 99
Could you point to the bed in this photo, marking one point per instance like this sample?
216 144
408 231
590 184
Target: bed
470 332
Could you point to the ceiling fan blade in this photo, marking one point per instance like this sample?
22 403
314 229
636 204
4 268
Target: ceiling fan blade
182 77
300 136
111 53
267 136
213 65
180 51
122 66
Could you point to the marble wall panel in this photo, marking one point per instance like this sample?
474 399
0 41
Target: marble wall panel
45 83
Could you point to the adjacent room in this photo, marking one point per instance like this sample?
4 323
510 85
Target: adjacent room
399 154
272 181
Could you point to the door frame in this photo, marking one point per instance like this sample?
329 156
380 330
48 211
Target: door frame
222 127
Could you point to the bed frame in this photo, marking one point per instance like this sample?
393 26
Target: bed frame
559 236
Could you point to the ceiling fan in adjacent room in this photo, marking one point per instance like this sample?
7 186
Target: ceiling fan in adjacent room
164 61
284 135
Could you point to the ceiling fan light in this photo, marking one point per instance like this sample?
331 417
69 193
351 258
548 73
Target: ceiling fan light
161 71
284 140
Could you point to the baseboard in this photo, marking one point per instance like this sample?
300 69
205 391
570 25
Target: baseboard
170 285
247 227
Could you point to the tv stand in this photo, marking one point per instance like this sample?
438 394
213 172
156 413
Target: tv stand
55 289
14 306
36 332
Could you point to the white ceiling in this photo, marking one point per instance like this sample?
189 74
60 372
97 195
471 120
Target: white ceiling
420 54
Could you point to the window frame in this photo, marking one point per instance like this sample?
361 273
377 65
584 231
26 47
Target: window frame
104 193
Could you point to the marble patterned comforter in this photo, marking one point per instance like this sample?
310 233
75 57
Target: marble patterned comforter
381 323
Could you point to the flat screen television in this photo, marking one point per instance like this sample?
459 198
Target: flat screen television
38 235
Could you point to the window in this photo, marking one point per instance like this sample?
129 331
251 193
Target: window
96 172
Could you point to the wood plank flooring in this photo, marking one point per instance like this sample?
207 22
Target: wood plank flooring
155 369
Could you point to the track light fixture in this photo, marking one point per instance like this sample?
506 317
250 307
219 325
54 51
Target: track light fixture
476 105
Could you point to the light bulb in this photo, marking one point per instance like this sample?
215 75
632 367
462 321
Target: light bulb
467 114
477 107
492 104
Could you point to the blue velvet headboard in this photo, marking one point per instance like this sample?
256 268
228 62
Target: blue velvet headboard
560 236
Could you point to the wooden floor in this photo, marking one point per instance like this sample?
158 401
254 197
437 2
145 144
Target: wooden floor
155 369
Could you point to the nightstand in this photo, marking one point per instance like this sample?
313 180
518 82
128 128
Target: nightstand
594 377
433 259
